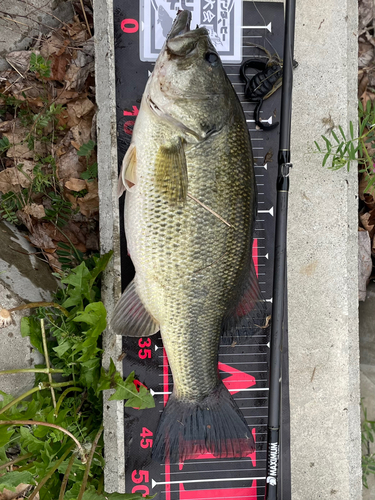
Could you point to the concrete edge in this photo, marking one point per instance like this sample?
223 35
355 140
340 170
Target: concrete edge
323 257
354 411
114 472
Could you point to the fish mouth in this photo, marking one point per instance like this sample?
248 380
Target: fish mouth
181 24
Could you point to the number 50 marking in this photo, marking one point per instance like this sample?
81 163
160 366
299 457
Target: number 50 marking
129 26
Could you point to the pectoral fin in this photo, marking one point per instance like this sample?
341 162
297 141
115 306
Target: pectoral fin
130 317
127 178
171 171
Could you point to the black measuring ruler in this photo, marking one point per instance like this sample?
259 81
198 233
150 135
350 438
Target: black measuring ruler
244 366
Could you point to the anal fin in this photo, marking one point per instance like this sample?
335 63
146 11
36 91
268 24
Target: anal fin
130 317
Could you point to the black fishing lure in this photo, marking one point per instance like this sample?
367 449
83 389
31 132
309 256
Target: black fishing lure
264 83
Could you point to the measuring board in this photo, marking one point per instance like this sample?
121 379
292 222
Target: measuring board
139 30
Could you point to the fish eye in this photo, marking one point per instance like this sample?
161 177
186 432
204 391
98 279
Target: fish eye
212 58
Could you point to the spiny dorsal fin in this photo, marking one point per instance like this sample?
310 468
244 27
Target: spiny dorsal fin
130 317
128 171
171 171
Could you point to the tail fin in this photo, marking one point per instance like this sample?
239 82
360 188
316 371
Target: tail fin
214 425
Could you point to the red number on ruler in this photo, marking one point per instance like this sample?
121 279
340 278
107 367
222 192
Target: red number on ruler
144 343
129 26
144 353
132 113
143 476
142 487
130 123
146 443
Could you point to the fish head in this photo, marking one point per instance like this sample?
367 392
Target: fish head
189 84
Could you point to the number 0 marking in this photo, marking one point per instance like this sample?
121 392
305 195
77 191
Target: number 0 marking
129 26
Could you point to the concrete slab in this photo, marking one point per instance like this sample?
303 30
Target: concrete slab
114 471
367 348
322 260
21 22
322 253
23 278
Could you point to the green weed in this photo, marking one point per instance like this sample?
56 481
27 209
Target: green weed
57 426
344 150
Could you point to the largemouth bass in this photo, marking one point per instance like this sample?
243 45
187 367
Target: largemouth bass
189 211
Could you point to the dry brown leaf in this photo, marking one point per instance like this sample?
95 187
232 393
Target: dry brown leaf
92 186
75 184
77 29
22 491
80 67
40 238
63 235
92 242
362 84
364 218
19 148
69 165
365 179
35 210
53 45
367 96
53 261
7 125
82 131
371 220
365 54
366 13
371 77
75 145
30 86
81 107
12 179
20 59
58 67
66 96
364 263
71 198
89 204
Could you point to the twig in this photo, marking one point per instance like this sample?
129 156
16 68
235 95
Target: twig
46 356
40 387
88 465
209 209
31 370
13 20
53 426
63 395
33 305
49 473
66 477
84 15
10 64
11 85
16 460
